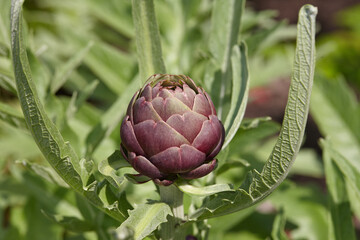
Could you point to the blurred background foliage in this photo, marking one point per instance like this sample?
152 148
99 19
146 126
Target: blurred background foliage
83 60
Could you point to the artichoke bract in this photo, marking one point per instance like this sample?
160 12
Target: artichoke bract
171 130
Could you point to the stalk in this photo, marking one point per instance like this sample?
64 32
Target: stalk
174 198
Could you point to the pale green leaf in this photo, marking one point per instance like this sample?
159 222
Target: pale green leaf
350 173
225 27
147 39
259 185
278 232
341 226
112 66
7 83
205 191
70 223
78 100
336 112
144 219
63 72
109 166
45 172
59 153
12 116
239 95
110 119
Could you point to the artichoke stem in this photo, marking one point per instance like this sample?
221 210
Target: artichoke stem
174 198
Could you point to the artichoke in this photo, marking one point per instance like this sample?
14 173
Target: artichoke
171 130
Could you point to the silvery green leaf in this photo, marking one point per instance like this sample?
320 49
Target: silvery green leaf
12 116
63 72
110 119
147 39
45 172
258 185
341 225
240 92
144 219
59 153
70 223
109 166
205 191
225 26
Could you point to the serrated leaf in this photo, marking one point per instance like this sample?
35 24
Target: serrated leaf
144 219
341 226
259 185
63 72
205 191
147 37
59 153
12 117
239 95
109 166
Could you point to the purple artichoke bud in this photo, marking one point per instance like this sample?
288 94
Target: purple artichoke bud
171 130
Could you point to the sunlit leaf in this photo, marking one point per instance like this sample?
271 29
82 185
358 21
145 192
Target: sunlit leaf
204 191
58 152
143 220
239 95
259 185
147 39
225 26
341 226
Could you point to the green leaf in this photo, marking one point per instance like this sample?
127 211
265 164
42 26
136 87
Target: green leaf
278 232
110 119
225 27
350 172
239 95
70 223
147 39
259 185
109 166
12 117
205 191
45 172
112 66
59 153
63 72
78 100
7 83
337 113
144 219
341 216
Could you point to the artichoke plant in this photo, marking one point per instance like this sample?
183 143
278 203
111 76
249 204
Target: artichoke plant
171 130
